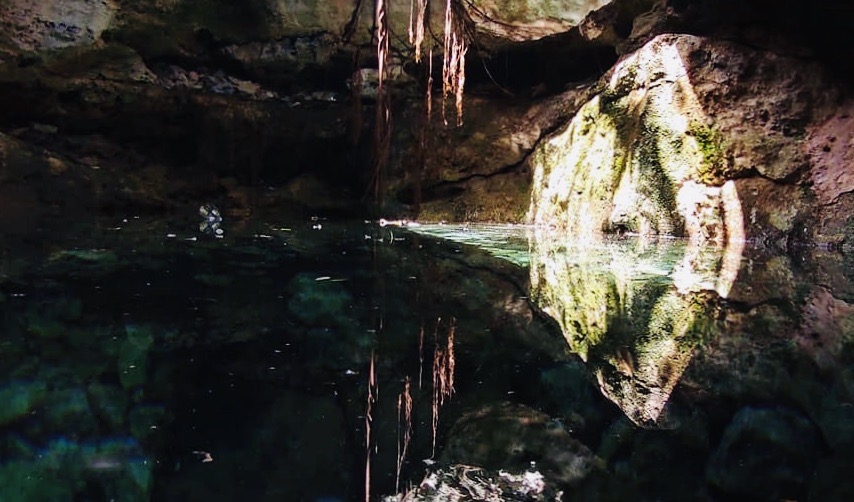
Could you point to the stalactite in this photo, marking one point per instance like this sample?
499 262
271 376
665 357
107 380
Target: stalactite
417 15
428 98
382 123
454 59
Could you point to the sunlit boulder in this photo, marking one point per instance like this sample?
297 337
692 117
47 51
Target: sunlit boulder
682 139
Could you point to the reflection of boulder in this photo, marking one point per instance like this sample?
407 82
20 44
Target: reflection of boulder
641 376
633 310
827 327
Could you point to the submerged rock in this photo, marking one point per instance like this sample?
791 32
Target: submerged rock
832 479
63 469
515 437
464 482
765 454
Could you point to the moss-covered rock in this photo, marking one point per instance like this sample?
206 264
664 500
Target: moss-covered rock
653 151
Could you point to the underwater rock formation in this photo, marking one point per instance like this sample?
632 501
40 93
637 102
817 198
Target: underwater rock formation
514 437
765 454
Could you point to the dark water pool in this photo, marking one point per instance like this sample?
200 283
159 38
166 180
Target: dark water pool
151 359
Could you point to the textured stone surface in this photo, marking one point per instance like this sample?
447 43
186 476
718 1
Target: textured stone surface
54 24
530 19
651 153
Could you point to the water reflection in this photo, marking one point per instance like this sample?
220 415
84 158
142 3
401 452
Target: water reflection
143 358
633 309
742 354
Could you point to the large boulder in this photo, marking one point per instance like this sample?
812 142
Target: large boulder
690 137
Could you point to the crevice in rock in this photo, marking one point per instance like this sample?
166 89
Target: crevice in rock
450 188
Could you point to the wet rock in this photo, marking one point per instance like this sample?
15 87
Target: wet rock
330 335
317 301
145 421
671 464
260 463
464 482
834 414
26 478
765 454
312 428
476 172
827 328
67 412
313 193
514 437
829 145
117 465
175 77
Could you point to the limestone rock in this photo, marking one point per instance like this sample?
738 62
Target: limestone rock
530 20
652 152
55 24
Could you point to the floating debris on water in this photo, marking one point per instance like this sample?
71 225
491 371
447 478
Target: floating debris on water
211 225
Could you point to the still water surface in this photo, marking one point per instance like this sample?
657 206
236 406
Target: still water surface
152 359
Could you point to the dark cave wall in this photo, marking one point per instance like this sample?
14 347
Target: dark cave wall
259 91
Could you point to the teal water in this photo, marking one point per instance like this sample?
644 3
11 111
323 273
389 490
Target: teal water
149 358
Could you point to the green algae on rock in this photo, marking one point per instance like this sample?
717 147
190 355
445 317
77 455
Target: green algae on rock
657 149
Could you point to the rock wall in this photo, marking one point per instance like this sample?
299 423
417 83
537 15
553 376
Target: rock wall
653 150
